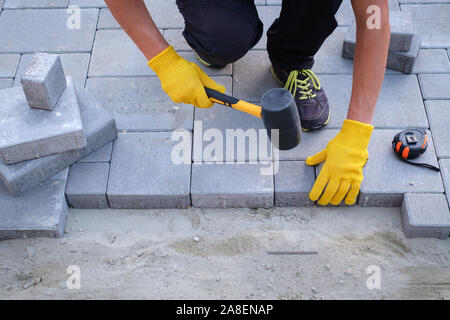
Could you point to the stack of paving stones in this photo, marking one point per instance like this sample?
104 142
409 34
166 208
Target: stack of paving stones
137 171
404 45
46 127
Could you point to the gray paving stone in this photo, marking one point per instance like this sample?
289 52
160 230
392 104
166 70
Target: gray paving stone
399 61
267 14
445 171
252 76
143 174
231 186
438 112
101 155
400 104
86 187
435 86
46 30
293 182
312 142
27 4
1 5
30 133
387 178
6 83
109 59
437 33
425 216
106 20
39 213
175 38
139 104
88 3
43 81
8 65
432 61
75 65
100 129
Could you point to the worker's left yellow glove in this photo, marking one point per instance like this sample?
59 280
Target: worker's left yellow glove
345 156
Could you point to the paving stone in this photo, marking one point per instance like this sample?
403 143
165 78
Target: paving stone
175 38
43 81
8 65
106 20
293 182
437 33
88 3
445 171
101 155
39 213
75 65
143 172
399 61
432 61
267 14
252 76
312 142
387 178
30 133
438 112
46 30
435 86
111 60
345 15
139 104
1 5
100 129
425 216
400 104
27 4
86 187
6 83
235 185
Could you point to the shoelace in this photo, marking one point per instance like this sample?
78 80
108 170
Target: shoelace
293 83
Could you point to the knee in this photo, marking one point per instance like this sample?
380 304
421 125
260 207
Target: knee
219 34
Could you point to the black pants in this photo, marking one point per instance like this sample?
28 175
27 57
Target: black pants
223 31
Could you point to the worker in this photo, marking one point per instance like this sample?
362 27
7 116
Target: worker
221 32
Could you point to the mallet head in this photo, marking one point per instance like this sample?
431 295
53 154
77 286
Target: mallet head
281 118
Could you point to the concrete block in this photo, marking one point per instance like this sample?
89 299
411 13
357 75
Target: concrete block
438 112
8 65
139 104
400 104
75 65
237 185
387 178
399 61
435 86
86 187
101 155
148 170
44 81
6 83
425 216
432 61
45 30
88 3
312 143
29 4
100 129
39 213
445 171
29 133
267 14
293 182
431 21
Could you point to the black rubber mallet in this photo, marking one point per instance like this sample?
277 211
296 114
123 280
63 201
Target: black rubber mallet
278 112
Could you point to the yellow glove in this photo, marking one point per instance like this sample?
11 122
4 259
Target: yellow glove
345 156
182 80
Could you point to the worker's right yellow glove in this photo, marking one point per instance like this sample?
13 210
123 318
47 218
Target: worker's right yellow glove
345 156
182 80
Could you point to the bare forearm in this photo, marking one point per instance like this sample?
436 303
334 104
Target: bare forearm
369 62
135 19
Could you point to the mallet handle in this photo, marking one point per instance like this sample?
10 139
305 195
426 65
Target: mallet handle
226 100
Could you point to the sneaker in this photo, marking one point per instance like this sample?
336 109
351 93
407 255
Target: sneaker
312 103
207 64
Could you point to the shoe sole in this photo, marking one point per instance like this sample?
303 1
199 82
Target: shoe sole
303 129
206 64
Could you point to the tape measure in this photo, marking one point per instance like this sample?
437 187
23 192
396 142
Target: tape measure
411 144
